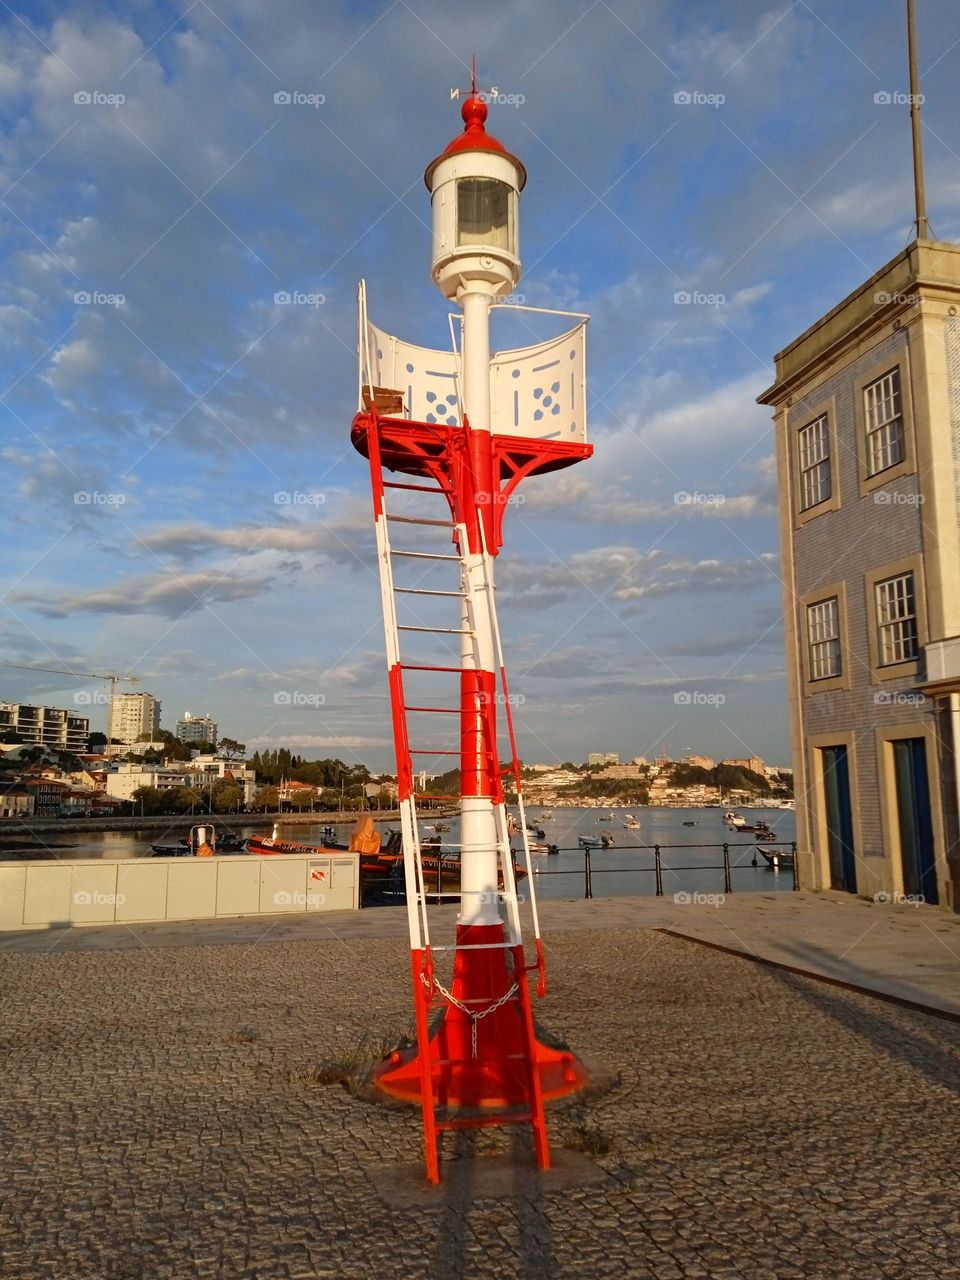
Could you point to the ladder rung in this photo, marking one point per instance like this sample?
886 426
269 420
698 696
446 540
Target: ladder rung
424 591
415 488
443 711
439 524
480 1122
419 666
475 946
439 631
425 555
424 751
430 795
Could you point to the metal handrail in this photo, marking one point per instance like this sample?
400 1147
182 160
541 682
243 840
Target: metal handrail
726 866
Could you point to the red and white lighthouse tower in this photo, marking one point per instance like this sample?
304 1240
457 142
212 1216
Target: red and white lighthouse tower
464 427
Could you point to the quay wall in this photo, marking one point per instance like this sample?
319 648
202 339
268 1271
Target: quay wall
43 895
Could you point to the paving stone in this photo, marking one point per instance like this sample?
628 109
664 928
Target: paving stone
157 1122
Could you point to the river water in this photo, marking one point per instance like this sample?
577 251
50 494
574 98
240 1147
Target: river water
624 869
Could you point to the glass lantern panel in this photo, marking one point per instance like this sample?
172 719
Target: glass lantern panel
483 212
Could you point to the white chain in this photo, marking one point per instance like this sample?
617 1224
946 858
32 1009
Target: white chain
473 1014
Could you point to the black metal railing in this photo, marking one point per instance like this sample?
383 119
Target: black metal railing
727 866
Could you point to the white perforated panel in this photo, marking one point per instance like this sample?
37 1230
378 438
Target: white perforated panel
539 391
427 378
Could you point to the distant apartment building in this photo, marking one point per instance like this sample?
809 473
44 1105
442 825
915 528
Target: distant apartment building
603 757
622 771
700 762
753 763
197 729
867 420
207 769
127 778
45 726
134 717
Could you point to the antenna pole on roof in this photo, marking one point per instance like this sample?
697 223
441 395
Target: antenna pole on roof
922 225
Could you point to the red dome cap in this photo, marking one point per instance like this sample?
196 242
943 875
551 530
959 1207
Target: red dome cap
475 138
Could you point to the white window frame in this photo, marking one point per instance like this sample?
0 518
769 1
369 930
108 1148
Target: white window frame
895 603
814 463
824 650
884 441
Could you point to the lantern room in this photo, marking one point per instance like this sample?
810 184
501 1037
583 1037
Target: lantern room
474 192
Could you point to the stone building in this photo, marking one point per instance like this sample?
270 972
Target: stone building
867 421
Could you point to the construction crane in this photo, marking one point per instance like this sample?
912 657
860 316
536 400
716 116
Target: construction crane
112 679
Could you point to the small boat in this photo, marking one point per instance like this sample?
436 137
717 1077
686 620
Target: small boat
736 820
536 831
605 817
540 847
759 829
691 824
441 826
607 840
630 823
546 815
776 858
590 842
202 842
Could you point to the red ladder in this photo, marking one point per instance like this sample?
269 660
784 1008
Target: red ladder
518 1057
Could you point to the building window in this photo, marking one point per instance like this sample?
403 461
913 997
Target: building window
815 479
897 619
823 636
883 420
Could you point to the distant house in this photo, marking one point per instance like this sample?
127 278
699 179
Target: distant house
16 800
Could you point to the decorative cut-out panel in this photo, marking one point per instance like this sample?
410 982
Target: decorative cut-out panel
540 391
537 392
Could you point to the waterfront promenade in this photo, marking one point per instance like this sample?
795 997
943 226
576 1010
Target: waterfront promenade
163 1111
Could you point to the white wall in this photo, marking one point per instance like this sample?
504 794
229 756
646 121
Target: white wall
39 895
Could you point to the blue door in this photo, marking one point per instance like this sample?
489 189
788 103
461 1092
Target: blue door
836 785
913 816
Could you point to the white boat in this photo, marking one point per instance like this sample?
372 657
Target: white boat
735 820
631 823
590 842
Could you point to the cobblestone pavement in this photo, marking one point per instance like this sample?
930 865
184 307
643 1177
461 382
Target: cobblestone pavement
161 1117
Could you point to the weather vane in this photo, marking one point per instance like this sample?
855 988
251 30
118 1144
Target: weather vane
484 94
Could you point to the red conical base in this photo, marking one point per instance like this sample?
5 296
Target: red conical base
485 1062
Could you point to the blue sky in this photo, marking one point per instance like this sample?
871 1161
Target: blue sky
184 409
